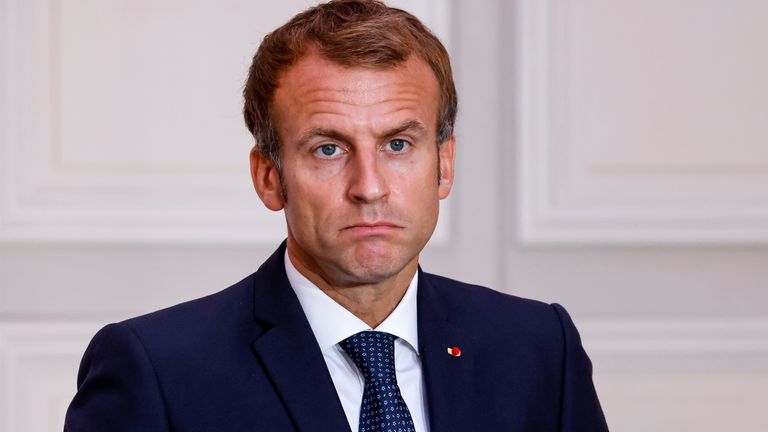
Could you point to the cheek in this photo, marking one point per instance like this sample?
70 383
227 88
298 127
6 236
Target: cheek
419 174
313 196
314 170
403 167
308 177
416 188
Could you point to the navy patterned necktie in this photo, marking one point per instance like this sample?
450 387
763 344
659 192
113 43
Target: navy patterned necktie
383 408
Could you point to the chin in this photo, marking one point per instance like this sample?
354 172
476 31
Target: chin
373 266
370 274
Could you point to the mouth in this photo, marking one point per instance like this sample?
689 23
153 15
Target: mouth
372 228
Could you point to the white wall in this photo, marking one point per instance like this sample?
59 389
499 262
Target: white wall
611 157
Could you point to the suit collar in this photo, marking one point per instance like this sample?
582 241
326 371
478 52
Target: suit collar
448 380
290 354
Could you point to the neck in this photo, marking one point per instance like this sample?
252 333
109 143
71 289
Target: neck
371 302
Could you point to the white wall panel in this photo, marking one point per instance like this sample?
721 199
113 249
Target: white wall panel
681 375
685 401
125 123
37 372
659 345
643 122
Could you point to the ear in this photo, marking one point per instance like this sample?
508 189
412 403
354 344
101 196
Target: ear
266 181
447 152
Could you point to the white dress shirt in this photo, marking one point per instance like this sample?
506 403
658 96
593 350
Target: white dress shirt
332 323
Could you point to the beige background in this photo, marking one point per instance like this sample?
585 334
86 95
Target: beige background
612 157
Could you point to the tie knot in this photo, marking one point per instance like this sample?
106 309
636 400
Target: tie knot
373 353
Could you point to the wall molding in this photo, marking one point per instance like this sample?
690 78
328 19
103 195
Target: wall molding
726 343
38 371
557 208
678 335
46 196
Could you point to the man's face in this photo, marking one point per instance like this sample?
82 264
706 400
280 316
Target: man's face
360 167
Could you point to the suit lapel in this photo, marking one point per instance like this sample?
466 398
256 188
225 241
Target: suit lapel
448 379
290 354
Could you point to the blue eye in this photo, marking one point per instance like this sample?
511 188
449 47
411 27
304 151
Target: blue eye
328 150
397 145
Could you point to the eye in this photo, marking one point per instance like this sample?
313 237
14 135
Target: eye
328 150
397 145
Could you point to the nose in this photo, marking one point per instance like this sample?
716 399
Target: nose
367 183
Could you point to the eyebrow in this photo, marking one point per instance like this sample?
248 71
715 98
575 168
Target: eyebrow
414 126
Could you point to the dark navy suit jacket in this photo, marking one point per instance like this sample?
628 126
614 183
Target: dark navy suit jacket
245 359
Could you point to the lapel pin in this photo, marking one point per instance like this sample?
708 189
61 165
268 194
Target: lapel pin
455 351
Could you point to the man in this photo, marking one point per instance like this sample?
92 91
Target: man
352 105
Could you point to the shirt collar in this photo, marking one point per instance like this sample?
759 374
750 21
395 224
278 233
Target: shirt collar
332 323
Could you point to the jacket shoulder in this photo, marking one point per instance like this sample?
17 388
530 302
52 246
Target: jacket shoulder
499 317
222 316
474 298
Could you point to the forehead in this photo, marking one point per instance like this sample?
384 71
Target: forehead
317 89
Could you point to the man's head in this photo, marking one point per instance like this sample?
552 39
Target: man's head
347 103
352 33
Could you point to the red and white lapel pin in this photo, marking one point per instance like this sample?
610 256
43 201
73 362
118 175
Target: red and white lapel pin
454 351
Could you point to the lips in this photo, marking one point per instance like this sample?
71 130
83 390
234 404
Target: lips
374 228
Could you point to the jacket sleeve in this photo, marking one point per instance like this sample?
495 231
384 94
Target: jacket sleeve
117 388
580 407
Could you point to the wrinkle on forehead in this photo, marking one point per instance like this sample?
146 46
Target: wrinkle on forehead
315 86
359 94
358 87
311 71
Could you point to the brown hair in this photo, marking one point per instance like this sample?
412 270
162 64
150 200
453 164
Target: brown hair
363 33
